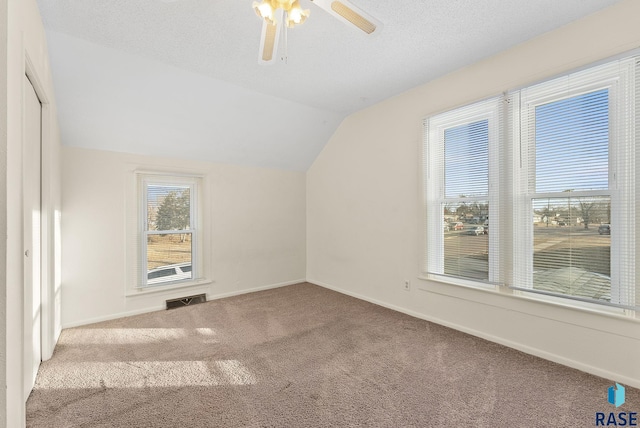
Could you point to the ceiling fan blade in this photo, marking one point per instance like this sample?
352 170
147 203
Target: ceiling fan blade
350 14
269 39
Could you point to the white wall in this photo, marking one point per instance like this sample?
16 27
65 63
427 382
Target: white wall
3 213
257 236
364 214
26 53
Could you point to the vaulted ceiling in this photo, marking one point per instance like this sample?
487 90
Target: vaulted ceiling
181 77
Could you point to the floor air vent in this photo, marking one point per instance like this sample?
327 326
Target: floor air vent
186 301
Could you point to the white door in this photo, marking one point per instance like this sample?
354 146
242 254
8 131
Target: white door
31 154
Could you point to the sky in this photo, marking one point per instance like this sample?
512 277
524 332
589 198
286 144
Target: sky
571 148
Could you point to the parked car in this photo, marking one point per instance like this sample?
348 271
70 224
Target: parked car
169 273
604 229
458 226
478 230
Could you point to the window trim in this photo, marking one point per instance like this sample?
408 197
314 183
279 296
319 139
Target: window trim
434 195
136 223
610 76
628 67
145 181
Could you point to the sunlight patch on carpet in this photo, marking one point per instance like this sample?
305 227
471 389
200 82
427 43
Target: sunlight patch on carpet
123 336
144 374
208 334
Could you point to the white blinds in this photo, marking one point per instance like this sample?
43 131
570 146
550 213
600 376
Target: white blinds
537 189
575 221
572 143
168 234
461 149
466 160
163 221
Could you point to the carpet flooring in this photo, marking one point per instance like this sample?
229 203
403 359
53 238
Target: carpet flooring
302 356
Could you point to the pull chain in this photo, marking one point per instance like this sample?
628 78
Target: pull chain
285 58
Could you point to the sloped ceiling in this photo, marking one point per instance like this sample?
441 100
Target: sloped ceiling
181 77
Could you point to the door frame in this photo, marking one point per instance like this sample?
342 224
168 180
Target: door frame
31 235
49 219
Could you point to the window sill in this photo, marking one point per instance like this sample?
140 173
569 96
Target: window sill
143 291
556 309
459 281
573 304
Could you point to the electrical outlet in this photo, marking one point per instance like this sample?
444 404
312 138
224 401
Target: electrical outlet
407 285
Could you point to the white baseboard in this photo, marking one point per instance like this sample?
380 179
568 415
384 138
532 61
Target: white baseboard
148 309
109 317
492 338
253 290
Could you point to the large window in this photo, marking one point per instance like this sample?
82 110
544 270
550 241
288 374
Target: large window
462 197
168 230
576 176
566 166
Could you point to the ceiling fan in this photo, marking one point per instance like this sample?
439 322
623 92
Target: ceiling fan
278 15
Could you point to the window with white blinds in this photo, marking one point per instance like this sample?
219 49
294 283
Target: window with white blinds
548 205
169 250
577 180
461 172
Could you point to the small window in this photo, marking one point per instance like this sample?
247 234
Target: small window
168 229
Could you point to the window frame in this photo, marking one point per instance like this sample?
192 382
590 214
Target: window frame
513 193
147 180
614 76
435 193
137 235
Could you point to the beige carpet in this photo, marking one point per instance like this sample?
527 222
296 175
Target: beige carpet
302 356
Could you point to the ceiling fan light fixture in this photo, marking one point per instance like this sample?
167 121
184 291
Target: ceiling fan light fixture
269 42
264 10
295 15
353 17
278 15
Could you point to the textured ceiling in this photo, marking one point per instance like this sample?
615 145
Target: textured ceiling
181 77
